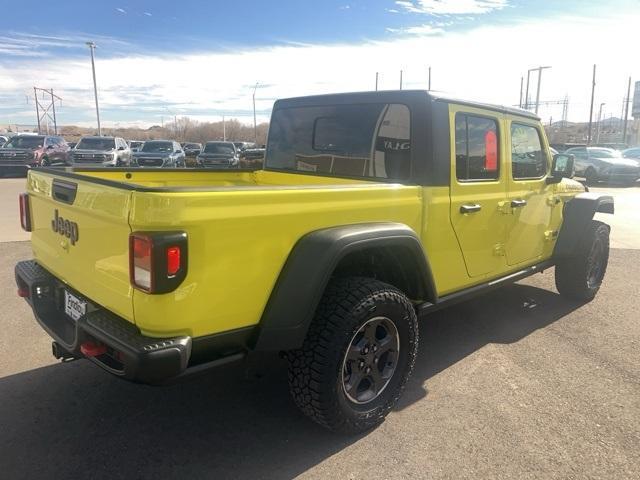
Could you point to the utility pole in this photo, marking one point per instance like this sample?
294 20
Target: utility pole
539 81
92 47
526 95
376 81
255 125
400 79
521 85
35 95
224 129
42 108
599 123
53 107
429 86
626 112
593 91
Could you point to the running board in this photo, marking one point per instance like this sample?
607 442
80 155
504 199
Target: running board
476 290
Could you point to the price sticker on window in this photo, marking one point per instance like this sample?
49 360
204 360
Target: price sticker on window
491 149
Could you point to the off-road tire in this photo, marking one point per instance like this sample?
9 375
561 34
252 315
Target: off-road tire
579 276
316 370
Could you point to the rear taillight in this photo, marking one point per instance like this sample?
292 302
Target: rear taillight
141 265
25 212
157 260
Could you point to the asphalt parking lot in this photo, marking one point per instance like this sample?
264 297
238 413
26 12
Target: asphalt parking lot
516 384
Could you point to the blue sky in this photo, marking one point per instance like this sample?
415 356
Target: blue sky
201 59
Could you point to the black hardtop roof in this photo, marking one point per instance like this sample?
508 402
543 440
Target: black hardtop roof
391 96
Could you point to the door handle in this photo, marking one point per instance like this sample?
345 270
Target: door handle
470 208
518 203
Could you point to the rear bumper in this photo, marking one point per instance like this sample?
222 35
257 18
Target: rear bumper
129 354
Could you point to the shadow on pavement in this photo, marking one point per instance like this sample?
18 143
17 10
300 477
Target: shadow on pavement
75 421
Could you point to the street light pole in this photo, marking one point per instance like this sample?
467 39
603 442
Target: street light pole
255 125
626 112
92 47
599 122
526 93
521 86
593 92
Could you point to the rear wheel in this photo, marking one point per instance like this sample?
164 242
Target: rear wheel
359 352
580 276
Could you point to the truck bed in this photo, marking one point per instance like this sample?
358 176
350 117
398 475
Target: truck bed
241 227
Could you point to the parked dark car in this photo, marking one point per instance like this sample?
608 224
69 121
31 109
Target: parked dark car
242 146
160 153
219 155
192 149
22 152
604 164
101 151
252 158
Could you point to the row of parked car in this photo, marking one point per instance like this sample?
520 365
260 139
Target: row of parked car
28 150
601 163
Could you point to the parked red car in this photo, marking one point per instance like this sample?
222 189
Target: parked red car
27 151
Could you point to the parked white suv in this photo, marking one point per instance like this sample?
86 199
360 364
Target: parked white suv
102 151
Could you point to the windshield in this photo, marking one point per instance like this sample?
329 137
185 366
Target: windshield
25 142
155 147
135 144
219 148
96 143
603 153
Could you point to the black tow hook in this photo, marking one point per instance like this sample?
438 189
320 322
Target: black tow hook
62 353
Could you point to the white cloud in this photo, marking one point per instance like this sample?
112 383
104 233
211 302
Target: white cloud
482 64
121 10
148 14
455 7
420 30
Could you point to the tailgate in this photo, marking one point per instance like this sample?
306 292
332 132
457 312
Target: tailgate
80 233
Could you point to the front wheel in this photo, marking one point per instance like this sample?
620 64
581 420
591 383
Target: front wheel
357 357
580 276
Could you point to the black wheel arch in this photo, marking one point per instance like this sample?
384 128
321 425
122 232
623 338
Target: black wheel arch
397 258
578 212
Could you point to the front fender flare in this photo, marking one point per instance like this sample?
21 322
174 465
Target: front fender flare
578 212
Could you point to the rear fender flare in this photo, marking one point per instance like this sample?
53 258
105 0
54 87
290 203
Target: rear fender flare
308 270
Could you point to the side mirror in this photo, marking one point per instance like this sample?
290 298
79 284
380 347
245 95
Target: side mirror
562 167
120 148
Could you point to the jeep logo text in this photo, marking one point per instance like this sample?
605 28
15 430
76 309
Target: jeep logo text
65 227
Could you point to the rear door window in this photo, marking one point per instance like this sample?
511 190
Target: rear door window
365 140
477 152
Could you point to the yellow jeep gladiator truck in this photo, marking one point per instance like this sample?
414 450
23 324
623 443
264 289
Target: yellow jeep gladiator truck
372 210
